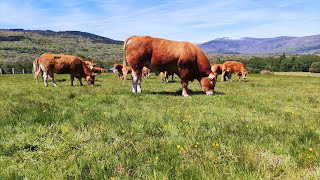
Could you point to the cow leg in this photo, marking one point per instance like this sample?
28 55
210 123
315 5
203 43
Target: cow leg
52 79
45 79
71 79
36 73
223 76
80 81
229 77
166 76
136 81
184 88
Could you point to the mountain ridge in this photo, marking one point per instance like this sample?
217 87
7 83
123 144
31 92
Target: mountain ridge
263 46
92 37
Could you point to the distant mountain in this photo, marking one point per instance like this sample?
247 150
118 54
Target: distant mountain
21 47
263 46
92 37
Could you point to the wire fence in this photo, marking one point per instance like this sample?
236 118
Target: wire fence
15 71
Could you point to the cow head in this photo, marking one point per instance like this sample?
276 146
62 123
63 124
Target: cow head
244 74
90 79
208 83
89 64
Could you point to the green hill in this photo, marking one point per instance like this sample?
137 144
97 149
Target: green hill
18 47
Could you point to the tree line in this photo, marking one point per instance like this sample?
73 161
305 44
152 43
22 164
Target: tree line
283 63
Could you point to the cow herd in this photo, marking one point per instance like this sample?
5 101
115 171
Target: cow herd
144 54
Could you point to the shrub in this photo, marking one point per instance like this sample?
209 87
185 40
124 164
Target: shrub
315 67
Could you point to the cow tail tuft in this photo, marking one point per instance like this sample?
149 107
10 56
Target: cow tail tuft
35 65
36 68
124 64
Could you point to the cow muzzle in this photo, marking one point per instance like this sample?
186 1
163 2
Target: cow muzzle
209 92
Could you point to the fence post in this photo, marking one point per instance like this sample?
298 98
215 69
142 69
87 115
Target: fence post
0 71
12 70
22 71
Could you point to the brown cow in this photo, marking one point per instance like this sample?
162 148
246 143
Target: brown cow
64 64
98 70
182 58
145 72
231 67
37 70
117 69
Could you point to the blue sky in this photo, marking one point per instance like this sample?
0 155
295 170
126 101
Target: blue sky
182 20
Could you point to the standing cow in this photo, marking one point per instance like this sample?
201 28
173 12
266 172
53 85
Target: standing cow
230 67
183 58
64 64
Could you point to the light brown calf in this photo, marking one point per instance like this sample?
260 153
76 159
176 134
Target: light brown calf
230 67
64 64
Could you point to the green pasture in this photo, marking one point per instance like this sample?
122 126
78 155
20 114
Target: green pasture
266 127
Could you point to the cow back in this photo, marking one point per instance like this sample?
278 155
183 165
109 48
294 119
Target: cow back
233 66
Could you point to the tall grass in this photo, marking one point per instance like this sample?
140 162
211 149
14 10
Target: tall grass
263 128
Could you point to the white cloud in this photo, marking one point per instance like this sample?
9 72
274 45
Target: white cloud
177 20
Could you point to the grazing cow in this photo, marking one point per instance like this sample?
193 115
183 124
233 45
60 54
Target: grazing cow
182 58
117 69
64 64
145 72
164 76
37 70
98 70
231 67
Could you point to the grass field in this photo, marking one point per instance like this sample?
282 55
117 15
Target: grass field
297 74
267 127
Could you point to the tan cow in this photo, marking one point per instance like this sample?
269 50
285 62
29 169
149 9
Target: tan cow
145 72
164 76
182 58
64 64
126 70
230 67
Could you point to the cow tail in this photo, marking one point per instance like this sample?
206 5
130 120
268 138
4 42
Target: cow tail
35 65
124 64
36 68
